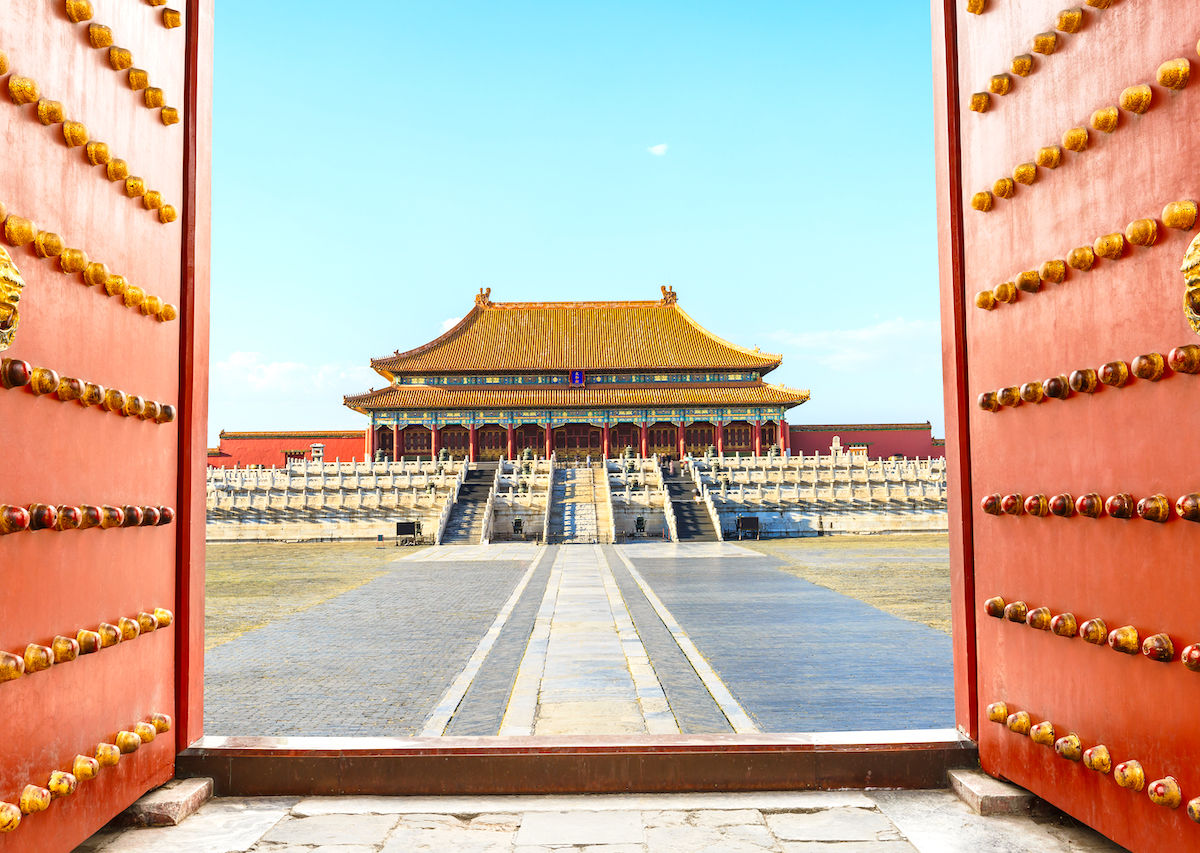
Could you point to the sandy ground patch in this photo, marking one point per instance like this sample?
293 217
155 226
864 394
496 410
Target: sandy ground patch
907 575
249 585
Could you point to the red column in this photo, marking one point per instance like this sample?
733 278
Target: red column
549 440
682 441
645 440
604 441
367 435
785 437
473 443
512 442
435 442
720 442
758 438
395 442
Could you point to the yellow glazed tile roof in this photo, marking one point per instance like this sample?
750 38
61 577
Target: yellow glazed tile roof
512 336
440 397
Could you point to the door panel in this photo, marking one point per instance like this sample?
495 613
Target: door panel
57 582
1138 439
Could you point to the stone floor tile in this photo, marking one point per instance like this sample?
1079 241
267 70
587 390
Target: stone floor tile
939 822
267 847
215 828
679 839
502 820
463 840
613 848
730 817
830 825
580 827
332 829
753 834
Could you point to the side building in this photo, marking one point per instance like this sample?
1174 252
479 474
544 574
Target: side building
575 379
875 441
278 448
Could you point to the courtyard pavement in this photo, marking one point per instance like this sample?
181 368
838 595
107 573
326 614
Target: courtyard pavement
786 822
581 639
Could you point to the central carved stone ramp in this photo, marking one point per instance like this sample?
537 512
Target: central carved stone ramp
692 521
579 509
465 525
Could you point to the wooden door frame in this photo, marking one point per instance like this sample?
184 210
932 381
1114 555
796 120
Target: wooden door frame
193 374
774 761
948 148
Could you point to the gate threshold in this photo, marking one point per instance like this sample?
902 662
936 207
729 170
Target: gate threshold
428 766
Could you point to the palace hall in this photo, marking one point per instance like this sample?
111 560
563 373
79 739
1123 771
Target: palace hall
576 379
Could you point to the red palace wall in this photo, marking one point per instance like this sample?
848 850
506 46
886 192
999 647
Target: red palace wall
267 448
882 440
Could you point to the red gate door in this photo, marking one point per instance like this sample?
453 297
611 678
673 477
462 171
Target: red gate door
103 317
1069 175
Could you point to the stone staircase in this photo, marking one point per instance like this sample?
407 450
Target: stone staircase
692 521
579 506
465 524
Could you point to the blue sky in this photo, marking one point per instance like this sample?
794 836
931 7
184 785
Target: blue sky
376 164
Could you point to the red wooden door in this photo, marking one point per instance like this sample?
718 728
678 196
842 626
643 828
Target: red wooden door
1066 208
103 121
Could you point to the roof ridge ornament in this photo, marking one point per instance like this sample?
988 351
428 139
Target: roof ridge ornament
484 297
668 294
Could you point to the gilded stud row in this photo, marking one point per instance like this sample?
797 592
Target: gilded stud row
1068 21
43 381
81 10
1156 508
19 231
1128 774
18 519
1157 647
23 91
121 59
63 783
1173 74
1151 366
1179 215
37 658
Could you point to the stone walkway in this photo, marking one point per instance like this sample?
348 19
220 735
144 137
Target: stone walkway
786 822
517 639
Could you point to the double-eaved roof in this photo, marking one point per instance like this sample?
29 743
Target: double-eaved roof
545 337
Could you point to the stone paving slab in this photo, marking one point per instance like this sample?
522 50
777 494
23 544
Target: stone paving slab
939 822
372 661
693 707
799 657
333 829
581 827
483 706
833 822
838 824
231 825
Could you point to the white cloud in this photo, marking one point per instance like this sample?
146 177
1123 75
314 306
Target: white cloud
249 391
250 371
659 150
449 323
891 341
